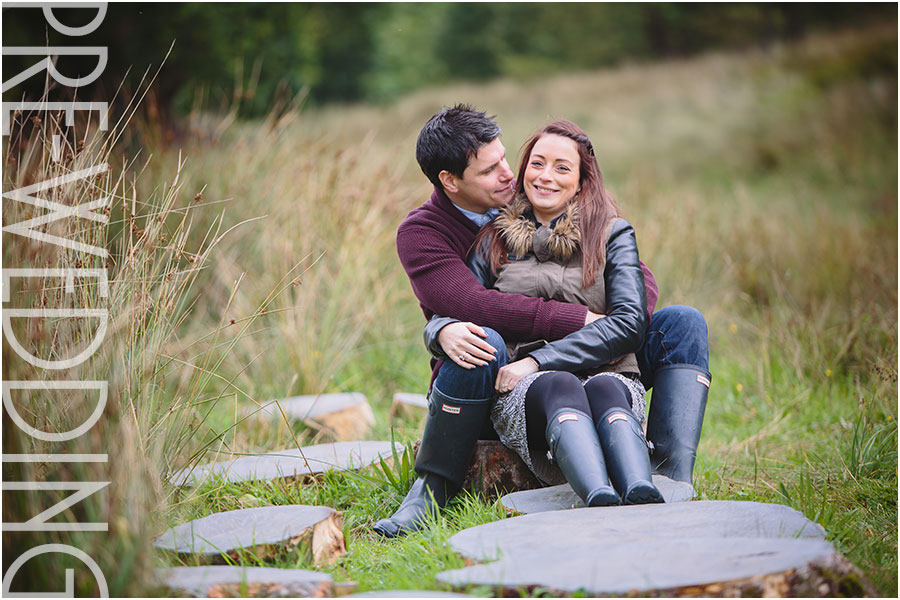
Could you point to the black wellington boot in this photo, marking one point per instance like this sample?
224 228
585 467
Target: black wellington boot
451 430
676 418
573 442
627 458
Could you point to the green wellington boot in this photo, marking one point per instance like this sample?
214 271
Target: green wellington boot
575 448
676 418
627 458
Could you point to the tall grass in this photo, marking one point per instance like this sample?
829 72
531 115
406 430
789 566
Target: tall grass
164 377
763 189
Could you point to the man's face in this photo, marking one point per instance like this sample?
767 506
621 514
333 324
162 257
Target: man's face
486 183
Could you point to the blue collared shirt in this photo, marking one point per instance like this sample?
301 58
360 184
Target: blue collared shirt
480 219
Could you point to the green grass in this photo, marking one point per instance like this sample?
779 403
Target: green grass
763 189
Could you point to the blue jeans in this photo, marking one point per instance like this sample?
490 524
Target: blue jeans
455 383
472 384
677 335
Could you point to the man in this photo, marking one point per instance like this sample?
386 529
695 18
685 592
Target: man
460 151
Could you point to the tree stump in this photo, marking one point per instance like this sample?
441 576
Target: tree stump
263 531
290 463
409 406
253 582
345 417
562 497
705 548
494 470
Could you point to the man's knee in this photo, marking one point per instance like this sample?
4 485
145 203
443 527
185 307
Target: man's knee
677 335
682 317
684 324
472 384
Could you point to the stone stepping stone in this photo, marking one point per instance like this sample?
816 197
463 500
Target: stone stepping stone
704 518
408 594
340 456
263 530
639 548
254 582
561 497
345 416
664 566
409 405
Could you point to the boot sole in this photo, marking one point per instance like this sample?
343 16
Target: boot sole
644 493
387 528
605 498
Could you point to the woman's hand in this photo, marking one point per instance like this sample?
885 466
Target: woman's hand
511 374
461 342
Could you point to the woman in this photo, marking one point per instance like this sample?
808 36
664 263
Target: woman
580 397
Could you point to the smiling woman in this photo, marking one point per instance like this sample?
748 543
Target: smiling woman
551 177
579 397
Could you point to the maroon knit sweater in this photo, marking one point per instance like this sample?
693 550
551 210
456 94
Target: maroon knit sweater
433 242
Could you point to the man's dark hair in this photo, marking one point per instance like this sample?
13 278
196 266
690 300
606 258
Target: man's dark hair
450 137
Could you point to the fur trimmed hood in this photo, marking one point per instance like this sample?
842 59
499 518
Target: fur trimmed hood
517 226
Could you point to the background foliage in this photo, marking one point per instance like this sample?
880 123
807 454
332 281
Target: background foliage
254 259
265 54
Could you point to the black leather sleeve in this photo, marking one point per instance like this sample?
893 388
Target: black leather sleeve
621 332
432 330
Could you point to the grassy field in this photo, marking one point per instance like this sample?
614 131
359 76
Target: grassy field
256 260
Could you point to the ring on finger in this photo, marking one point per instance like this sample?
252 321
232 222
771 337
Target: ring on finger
462 358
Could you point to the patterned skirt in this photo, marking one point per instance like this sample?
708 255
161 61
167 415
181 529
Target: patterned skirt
508 416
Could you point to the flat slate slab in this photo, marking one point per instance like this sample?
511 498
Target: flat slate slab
346 416
561 497
408 594
261 530
338 456
409 405
415 400
255 582
652 547
606 567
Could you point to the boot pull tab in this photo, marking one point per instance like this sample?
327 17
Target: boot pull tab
566 417
616 416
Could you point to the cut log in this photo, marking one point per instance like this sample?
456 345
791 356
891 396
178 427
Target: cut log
343 416
264 532
561 497
290 463
706 548
252 582
409 406
496 470
409 594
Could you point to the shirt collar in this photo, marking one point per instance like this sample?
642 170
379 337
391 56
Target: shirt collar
480 219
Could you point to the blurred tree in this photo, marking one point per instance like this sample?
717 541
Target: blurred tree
249 54
469 43
405 54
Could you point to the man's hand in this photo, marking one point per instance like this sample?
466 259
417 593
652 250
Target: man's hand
461 342
511 374
592 316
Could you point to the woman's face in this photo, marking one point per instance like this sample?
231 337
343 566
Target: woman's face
551 177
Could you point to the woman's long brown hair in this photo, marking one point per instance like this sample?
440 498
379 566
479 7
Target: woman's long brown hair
596 207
